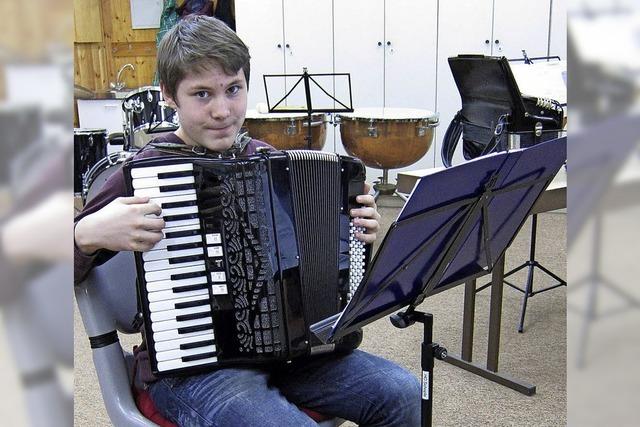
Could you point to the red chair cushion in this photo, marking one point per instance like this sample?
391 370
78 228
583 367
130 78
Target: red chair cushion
149 410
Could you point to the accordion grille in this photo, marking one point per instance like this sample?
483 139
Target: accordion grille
315 184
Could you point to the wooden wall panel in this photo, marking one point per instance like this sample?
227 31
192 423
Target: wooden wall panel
87 21
121 24
90 69
97 64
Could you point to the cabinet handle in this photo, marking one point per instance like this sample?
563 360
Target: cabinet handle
497 41
487 41
388 43
379 43
279 46
287 46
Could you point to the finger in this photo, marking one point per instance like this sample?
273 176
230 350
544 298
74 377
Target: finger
366 200
141 246
364 213
366 238
148 237
133 200
152 224
150 209
371 225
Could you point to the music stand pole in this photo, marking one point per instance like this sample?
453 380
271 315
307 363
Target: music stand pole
429 351
307 94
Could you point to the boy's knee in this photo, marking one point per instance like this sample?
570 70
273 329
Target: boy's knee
401 403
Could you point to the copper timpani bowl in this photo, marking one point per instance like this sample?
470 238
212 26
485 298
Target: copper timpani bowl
387 138
286 131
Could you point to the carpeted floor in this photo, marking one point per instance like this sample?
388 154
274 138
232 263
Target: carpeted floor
537 356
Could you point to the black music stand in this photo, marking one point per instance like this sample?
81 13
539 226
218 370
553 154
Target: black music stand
307 79
455 227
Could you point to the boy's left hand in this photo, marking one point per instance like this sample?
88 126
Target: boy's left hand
367 216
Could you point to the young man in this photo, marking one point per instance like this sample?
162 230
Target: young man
204 72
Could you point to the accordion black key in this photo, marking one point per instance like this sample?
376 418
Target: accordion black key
255 250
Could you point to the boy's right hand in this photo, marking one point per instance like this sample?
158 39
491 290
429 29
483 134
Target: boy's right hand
122 225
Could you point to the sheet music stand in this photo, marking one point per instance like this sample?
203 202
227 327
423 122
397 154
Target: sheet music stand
307 79
455 227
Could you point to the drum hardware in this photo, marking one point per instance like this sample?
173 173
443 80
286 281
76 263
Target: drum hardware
145 112
292 129
373 132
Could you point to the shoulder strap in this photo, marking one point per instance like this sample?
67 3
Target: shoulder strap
451 138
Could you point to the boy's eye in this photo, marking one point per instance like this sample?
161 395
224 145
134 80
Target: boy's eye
202 94
234 89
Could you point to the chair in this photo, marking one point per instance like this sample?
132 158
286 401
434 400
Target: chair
107 305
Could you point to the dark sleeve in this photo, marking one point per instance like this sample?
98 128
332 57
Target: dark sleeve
113 188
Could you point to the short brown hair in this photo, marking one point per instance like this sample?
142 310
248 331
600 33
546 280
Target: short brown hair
196 43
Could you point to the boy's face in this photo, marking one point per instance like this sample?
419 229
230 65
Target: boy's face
211 106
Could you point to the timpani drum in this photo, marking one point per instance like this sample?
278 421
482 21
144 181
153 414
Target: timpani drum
146 114
287 131
387 138
89 146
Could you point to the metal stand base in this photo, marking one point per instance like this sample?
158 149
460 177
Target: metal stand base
531 264
500 378
384 188
465 360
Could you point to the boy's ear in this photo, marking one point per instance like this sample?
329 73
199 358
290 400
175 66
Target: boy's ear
168 99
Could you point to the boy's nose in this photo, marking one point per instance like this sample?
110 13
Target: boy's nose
219 109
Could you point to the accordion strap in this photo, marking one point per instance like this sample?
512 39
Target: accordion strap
451 137
454 131
239 145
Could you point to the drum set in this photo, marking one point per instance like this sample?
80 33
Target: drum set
145 116
383 138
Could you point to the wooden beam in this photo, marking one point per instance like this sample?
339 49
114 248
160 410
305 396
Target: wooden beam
133 49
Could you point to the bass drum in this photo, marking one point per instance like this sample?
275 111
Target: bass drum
89 146
99 173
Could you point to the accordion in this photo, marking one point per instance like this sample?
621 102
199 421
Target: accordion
495 116
255 250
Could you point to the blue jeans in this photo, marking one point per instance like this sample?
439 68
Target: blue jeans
360 387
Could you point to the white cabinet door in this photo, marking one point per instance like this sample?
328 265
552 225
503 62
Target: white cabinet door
308 41
521 25
558 33
259 24
410 61
410 57
359 48
465 28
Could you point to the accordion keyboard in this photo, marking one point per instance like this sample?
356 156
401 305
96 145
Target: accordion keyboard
176 281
